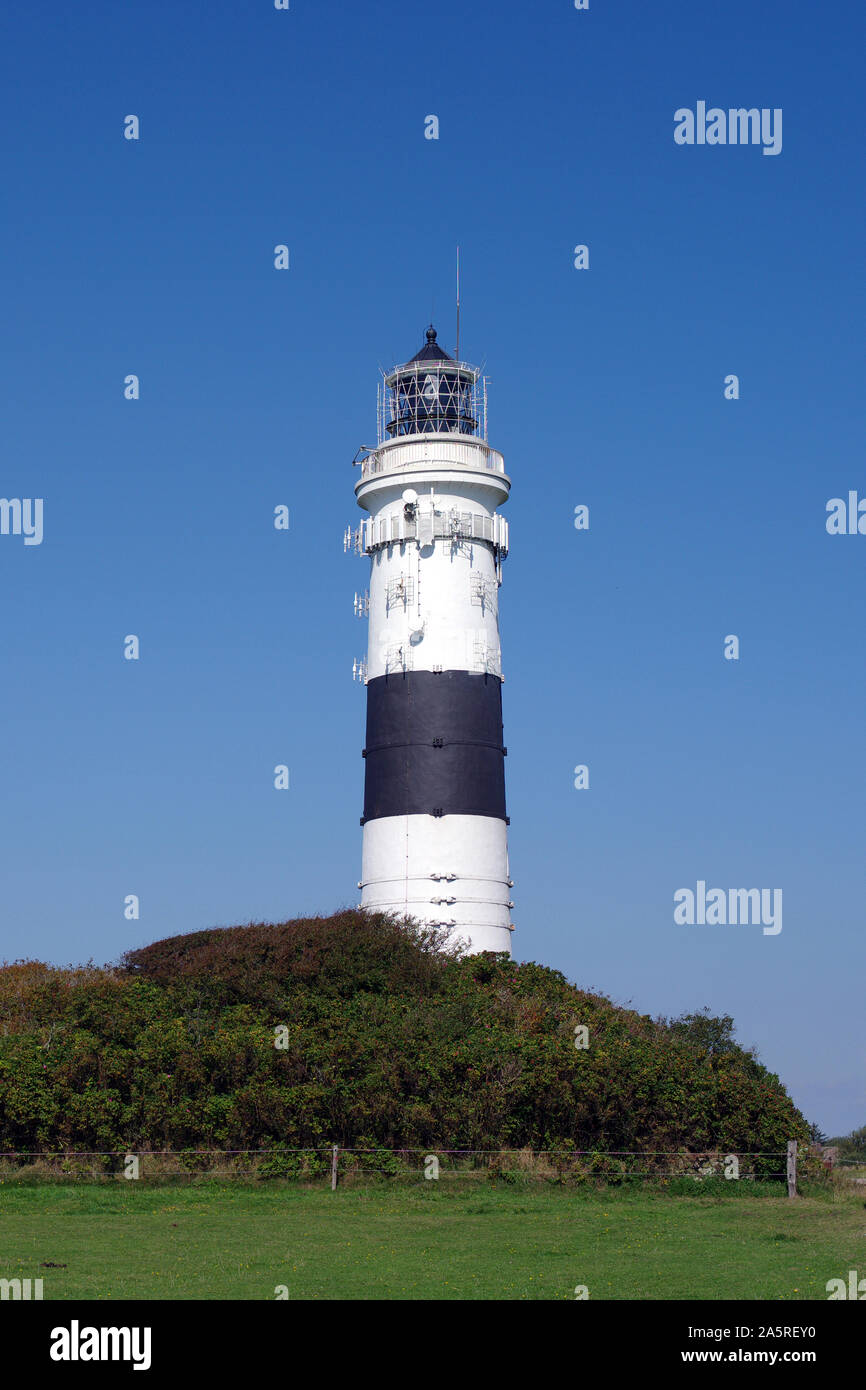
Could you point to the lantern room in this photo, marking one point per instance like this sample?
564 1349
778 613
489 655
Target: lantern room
434 394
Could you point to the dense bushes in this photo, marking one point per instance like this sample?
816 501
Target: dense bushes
852 1147
390 1042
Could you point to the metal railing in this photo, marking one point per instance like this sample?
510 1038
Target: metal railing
437 452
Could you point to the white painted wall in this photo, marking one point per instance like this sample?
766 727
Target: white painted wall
406 859
411 861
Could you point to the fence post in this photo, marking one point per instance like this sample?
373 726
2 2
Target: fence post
334 1169
792 1167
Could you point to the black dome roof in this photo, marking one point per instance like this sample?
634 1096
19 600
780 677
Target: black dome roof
431 351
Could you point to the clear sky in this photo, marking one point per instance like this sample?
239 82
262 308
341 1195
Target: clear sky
707 516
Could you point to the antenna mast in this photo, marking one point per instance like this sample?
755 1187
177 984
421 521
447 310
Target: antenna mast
458 305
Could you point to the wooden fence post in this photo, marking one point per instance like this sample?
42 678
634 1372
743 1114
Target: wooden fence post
792 1167
334 1169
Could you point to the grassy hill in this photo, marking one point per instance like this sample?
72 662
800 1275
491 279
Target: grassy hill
389 1041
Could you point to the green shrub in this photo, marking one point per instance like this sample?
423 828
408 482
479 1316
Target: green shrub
391 1042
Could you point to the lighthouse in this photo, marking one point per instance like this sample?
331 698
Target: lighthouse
434 825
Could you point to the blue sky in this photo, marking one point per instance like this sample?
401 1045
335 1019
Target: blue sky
707 516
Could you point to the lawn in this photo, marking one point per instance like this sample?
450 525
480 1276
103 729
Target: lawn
226 1240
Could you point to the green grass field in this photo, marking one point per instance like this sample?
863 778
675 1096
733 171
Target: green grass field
232 1241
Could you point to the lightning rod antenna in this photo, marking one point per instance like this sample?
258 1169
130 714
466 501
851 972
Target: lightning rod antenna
458 304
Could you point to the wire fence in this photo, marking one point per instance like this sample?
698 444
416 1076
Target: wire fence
352 1162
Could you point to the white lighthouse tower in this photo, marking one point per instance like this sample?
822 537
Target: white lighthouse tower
435 827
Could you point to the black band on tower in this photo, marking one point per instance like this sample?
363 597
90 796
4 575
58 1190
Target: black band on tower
434 745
